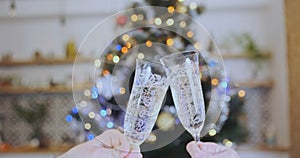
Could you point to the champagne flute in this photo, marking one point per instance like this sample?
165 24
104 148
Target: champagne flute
149 88
187 90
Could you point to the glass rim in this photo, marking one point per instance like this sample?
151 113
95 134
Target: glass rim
180 54
137 60
165 67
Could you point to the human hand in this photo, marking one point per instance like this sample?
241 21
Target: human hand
210 150
110 144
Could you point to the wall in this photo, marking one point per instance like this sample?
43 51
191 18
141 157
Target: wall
265 21
37 26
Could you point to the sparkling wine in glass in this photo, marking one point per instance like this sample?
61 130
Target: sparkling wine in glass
149 88
187 90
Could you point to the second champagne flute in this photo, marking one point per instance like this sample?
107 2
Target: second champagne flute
187 90
149 88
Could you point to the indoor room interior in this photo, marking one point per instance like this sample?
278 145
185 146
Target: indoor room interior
46 65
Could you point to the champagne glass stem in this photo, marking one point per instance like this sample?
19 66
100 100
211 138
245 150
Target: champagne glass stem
197 138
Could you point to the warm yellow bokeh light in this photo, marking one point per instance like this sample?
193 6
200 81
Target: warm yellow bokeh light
227 143
214 82
122 90
128 45
242 93
165 121
109 57
105 72
134 17
182 9
148 43
182 24
190 34
171 9
124 50
152 137
170 41
212 132
125 37
92 115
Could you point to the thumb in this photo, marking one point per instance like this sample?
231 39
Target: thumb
191 148
211 147
195 152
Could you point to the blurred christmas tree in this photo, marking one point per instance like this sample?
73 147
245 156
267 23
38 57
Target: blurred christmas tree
230 127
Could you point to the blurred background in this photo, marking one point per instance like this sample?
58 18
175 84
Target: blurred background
38 44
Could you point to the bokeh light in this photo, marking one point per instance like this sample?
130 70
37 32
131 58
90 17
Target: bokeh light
212 132
69 118
118 47
74 110
87 126
190 34
148 43
212 63
125 37
116 59
109 57
83 104
128 45
157 21
242 93
94 95
171 9
92 115
214 82
170 41
87 93
122 90
140 17
182 24
124 50
193 5
103 112
90 136
141 55
170 22
105 72
134 17
97 63
227 143
152 137
182 9
110 124
224 84
197 45
108 111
